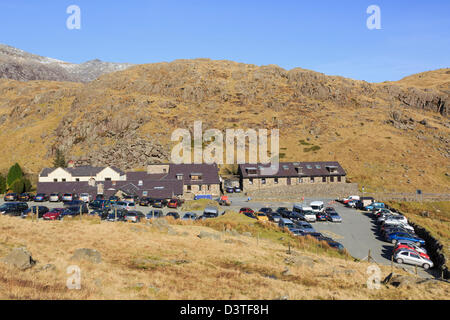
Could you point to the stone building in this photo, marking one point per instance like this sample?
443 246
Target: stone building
252 176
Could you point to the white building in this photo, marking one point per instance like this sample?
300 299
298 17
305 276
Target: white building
84 173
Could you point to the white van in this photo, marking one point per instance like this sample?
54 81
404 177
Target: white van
307 212
317 206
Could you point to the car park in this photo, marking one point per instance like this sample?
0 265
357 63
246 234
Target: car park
306 212
54 197
53 214
410 257
189 216
286 223
11 197
13 208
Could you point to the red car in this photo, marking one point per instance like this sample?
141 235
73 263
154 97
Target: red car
174 203
54 214
404 246
246 210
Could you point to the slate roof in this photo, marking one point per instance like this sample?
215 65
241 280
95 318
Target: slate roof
288 169
209 173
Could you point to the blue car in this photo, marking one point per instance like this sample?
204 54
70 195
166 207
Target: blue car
375 206
397 236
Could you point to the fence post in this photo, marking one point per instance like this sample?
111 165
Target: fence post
368 256
37 213
81 211
392 263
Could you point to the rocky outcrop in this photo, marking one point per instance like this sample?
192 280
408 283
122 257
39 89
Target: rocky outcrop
19 258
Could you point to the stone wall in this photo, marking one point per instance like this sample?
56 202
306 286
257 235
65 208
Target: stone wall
257 183
295 192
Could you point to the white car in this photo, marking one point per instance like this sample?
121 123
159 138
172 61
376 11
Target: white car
54 197
390 223
317 206
85 197
411 257
396 219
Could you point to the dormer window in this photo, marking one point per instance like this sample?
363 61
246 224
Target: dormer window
140 183
196 176
180 176
252 171
309 167
332 169
299 170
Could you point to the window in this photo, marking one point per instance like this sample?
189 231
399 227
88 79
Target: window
189 188
318 166
55 180
77 179
311 179
209 187
200 187
107 179
324 179
309 166
180 176
300 180
140 183
250 181
332 179
196 176
339 179
263 181
275 180
63 180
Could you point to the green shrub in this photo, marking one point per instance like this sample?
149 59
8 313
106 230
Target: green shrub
14 173
17 186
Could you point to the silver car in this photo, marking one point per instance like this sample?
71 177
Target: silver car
411 257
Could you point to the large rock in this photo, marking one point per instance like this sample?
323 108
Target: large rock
207 235
90 255
19 258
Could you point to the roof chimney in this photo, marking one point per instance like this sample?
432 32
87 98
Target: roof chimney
70 164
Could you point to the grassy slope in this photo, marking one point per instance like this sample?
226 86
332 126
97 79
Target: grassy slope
180 266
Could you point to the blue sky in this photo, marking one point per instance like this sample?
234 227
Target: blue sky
325 36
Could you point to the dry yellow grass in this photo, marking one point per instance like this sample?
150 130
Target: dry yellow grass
144 262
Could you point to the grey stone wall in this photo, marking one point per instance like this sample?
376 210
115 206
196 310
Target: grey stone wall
337 190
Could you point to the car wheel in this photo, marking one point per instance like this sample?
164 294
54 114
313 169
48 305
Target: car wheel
426 266
400 261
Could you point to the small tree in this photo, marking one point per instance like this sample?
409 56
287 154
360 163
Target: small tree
2 184
14 173
26 184
17 186
60 160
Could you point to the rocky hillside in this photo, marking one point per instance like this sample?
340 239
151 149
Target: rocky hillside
19 65
388 136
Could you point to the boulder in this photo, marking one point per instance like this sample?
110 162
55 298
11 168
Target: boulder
90 255
19 258
207 235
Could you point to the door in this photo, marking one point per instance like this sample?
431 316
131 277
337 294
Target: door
288 181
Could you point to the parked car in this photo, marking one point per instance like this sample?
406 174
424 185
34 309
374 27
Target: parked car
100 204
304 226
212 212
11 197
189 216
333 216
286 223
86 197
306 212
374 206
416 246
131 198
113 199
250 214
159 203
244 210
394 237
275 217
134 216
67 197
173 203
397 219
335 244
39 210
54 197
124 205
13 208
54 214
154 214
24 197
261 216
99 197
317 206
385 230
173 214
145 201
70 211
348 199
352 203
321 216
412 249
410 257
229 190
116 215
237 190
